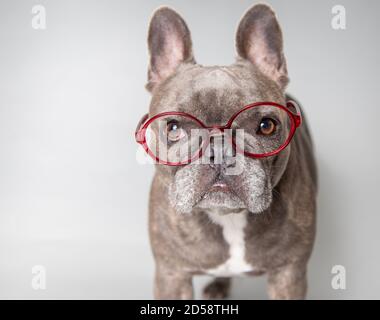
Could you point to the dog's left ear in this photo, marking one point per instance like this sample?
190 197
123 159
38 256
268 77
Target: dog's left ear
259 40
169 43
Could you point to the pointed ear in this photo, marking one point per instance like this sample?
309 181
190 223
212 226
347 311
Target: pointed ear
169 44
259 40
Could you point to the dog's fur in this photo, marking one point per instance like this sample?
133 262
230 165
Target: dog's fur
266 224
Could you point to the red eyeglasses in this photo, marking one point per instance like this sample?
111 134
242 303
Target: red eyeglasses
258 130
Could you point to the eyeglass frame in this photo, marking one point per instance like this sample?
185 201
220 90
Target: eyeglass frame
295 118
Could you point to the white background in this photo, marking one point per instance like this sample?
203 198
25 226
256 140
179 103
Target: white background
73 197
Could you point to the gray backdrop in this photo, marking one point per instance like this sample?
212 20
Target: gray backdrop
73 198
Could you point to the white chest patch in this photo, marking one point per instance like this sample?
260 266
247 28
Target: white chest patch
233 232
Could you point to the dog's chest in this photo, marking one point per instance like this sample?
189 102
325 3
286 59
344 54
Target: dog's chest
233 226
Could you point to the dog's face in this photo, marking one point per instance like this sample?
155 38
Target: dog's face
213 94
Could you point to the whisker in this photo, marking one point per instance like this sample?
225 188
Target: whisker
278 196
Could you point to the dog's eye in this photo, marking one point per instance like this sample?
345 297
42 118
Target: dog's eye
174 131
267 126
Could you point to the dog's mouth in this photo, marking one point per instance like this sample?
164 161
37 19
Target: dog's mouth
221 195
219 186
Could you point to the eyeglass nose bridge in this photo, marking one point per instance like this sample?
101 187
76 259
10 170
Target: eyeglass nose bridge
220 131
216 131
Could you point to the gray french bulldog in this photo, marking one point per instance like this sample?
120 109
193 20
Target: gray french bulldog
204 221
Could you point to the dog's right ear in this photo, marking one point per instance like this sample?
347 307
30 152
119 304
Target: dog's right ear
169 44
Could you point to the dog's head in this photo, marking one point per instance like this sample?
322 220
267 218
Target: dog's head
213 94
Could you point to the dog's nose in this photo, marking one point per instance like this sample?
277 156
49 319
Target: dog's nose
220 151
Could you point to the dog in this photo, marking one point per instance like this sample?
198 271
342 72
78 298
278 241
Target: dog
203 220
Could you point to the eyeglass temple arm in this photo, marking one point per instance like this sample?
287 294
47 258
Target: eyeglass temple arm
139 134
291 104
